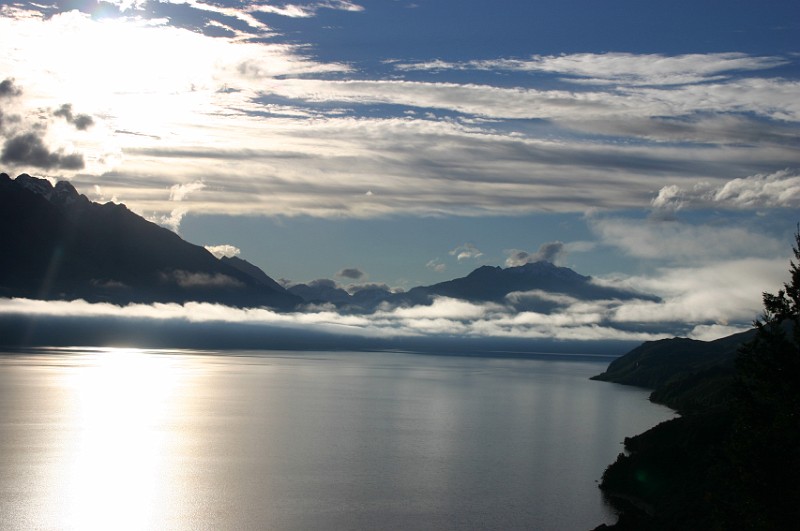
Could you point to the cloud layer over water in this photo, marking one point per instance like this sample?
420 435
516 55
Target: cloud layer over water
697 302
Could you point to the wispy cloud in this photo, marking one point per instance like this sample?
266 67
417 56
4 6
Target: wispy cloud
306 10
719 293
436 265
548 252
274 131
179 192
619 68
681 242
468 251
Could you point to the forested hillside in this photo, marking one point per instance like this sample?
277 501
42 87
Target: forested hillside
732 459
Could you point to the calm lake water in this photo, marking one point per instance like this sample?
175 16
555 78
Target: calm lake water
130 439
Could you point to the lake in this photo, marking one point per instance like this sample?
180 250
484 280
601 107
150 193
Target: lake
132 439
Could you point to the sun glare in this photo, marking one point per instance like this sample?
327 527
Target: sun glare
116 476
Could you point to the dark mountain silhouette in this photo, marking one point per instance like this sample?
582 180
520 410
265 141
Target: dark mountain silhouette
684 374
56 244
732 459
521 286
255 272
530 287
662 481
320 292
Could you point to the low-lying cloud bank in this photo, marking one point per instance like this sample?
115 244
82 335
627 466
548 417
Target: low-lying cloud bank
445 318
695 303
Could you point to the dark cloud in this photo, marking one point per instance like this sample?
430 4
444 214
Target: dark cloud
9 119
8 89
548 252
29 149
323 283
351 273
517 258
81 121
369 287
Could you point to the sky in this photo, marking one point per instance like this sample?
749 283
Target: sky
407 142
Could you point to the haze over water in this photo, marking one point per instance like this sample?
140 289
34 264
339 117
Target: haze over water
131 439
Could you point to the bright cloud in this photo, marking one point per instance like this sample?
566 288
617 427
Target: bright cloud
436 265
172 220
307 10
780 189
223 250
705 301
620 68
179 192
675 241
274 131
445 318
207 101
719 293
466 252
548 252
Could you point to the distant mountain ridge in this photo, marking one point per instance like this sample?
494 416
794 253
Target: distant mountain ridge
529 283
56 244
536 286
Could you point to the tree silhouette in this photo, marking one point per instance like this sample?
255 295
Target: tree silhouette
732 463
763 453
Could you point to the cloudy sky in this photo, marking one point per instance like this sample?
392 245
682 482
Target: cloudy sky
407 142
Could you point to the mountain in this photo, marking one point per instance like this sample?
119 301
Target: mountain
321 291
684 374
253 271
56 244
697 378
539 286
526 287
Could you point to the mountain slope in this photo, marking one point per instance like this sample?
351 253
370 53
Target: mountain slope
56 244
540 287
255 272
684 374
525 283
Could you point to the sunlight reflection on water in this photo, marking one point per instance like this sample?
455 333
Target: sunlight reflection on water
97 439
123 403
